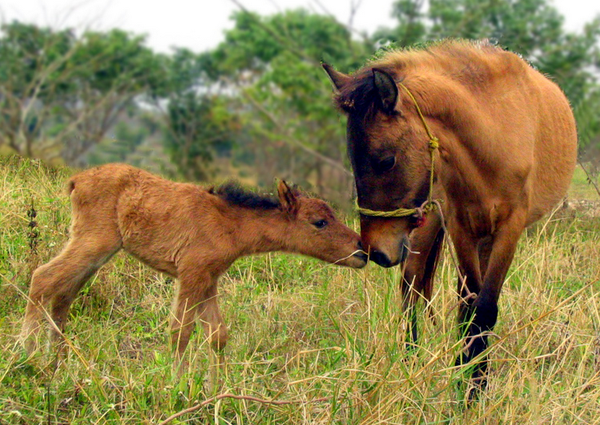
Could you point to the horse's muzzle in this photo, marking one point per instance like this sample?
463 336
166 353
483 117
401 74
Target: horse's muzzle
383 260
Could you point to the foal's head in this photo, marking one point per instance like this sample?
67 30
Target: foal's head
315 231
388 149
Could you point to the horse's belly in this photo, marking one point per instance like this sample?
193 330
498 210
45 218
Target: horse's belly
552 177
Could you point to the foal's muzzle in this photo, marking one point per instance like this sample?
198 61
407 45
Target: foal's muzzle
361 255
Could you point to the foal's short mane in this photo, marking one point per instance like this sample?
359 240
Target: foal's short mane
359 96
235 194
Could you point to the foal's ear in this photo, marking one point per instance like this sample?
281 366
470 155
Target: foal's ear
386 89
338 79
288 198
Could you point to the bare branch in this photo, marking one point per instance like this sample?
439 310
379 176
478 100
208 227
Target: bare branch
350 26
291 140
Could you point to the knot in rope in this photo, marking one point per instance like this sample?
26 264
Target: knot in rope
434 143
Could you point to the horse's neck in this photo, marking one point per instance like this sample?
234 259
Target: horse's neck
260 231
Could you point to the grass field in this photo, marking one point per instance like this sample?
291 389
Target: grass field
324 342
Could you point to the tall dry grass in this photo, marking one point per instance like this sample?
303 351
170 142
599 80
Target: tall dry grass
327 342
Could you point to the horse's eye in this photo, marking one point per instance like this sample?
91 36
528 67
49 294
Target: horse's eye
320 224
385 164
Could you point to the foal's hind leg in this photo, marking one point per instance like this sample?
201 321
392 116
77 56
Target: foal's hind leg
56 284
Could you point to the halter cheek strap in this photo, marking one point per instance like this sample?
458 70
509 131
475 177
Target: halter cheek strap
429 204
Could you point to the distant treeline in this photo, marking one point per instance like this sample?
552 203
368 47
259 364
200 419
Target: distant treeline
258 105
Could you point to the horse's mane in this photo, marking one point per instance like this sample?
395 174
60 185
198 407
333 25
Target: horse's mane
359 96
235 194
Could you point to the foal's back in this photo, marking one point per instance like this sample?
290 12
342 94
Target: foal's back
150 217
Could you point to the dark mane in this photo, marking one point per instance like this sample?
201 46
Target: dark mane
360 96
235 194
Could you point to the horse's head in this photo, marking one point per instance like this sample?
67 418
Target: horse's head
388 149
315 230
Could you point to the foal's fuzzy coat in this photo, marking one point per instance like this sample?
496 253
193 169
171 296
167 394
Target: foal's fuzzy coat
183 230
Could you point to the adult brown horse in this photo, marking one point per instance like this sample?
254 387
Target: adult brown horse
502 150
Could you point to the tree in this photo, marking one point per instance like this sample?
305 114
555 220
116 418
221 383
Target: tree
109 71
60 94
33 73
196 121
272 65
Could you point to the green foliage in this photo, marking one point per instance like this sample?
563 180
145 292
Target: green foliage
129 139
198 126
52 82
272 64
260 98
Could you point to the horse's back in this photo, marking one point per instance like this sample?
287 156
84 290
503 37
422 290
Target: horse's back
157 218
517 120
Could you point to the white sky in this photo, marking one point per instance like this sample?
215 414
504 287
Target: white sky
199 24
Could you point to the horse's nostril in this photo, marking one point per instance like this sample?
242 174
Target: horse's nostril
360 245
381 259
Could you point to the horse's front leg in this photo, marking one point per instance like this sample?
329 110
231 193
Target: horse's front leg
192 292
197 300
480 314
469 284
417 281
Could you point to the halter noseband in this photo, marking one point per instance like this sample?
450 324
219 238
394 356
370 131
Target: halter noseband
429 204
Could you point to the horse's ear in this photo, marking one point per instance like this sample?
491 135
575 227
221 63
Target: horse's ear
288 198
338 79
386 89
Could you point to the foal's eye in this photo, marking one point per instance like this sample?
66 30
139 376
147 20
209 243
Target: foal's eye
385 164
320 224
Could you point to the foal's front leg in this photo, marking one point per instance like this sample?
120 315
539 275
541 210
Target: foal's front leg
216 332
197 299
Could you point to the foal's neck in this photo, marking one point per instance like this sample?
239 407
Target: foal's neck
261 230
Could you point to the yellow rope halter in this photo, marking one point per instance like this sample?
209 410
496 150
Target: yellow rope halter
429 204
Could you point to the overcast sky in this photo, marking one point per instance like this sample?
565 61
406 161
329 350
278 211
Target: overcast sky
199 24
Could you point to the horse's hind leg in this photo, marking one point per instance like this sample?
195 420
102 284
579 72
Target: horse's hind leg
56 284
